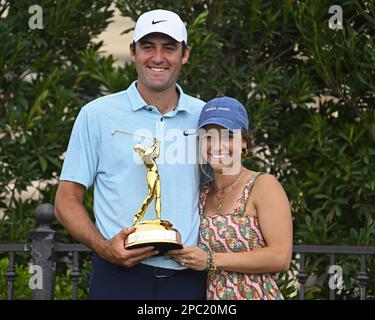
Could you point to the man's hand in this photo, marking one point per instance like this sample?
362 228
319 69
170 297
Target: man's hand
114 250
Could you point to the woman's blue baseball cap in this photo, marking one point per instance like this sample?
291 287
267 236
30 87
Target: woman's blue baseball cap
226 112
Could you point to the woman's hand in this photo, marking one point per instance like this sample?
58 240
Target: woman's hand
190 257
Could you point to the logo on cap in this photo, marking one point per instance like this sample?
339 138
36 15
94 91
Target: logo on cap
155 22
217 108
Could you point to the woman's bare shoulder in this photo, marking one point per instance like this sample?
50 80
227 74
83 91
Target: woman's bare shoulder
267 185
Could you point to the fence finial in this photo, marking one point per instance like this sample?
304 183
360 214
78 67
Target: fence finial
44 216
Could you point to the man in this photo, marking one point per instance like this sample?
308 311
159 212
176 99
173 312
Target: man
155 104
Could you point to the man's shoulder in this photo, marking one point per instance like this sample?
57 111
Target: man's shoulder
195 103
108 101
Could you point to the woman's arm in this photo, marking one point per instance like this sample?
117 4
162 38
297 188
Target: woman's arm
275 221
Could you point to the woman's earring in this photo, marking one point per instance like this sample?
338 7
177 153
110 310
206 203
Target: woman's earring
245 152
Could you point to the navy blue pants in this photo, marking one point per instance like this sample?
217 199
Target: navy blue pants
143 282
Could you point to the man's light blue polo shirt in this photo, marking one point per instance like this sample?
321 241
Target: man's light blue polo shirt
96 156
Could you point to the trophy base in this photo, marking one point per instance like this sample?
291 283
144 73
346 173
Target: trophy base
156 233
162 247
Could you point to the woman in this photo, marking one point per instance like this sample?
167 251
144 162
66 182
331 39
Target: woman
245 234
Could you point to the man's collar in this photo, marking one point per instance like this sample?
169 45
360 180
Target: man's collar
182 104
137 102
135 97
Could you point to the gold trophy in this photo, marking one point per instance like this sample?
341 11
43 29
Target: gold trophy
158 233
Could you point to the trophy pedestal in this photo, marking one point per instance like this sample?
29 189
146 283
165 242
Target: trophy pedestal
157 233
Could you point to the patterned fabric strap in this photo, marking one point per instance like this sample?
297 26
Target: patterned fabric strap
242 201
203 197
251 182
247 190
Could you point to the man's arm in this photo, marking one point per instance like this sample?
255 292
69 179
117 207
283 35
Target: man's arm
71 213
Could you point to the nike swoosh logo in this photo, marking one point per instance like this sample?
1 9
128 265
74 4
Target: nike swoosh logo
155 22
185 133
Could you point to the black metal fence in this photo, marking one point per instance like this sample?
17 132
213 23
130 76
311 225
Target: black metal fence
44 248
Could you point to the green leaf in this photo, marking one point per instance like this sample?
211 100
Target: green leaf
43 163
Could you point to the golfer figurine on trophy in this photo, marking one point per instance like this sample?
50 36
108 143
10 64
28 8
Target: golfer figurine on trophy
158 233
